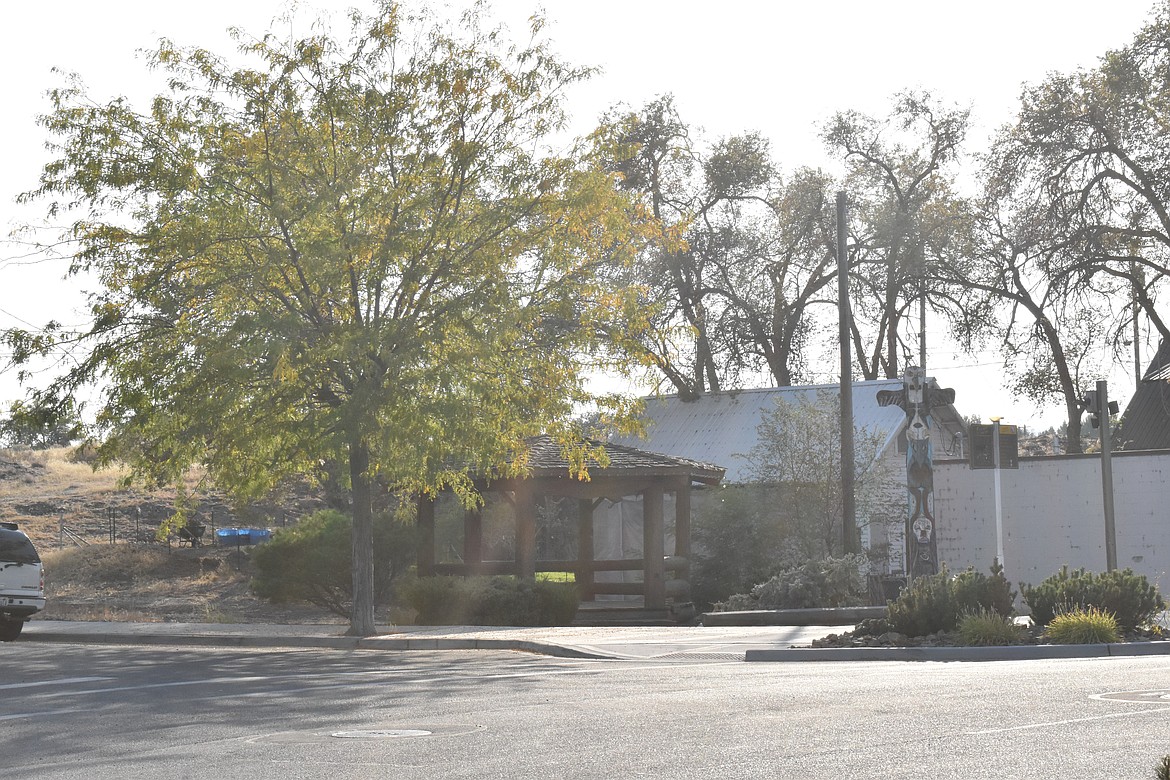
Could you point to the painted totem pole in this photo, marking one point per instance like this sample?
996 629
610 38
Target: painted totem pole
916 400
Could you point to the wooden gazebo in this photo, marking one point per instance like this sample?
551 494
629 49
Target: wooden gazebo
630 472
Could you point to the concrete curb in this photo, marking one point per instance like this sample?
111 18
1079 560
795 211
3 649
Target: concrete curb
520 645
829 616
1006 653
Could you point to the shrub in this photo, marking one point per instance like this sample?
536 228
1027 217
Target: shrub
1083 626
831 582
936 602
976 592
736 544
989 628
313 560
1162 771
1129 597
490 601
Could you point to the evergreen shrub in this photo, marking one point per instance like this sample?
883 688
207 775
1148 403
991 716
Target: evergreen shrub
936 602
830 582
1129 597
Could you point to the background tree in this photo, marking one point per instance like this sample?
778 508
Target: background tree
655 158
351 252
1089 152
777 278
1046 327
797 457
906 213
42 426
743 258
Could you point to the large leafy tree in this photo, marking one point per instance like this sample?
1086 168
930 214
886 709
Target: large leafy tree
343 252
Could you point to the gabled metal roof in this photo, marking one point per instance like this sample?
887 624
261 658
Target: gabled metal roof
722 427
1146 422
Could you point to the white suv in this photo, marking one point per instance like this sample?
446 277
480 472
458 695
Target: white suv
22 581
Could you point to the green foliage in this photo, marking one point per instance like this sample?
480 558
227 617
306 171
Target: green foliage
1127 596
736 544
1083 626
989 628
831 582
974 591
937 602
490 601
312 560
41 425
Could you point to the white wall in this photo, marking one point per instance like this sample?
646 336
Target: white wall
1053 515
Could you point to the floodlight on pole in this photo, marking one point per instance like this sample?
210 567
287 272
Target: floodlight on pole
998 491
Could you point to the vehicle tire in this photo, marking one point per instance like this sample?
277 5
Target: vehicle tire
10 630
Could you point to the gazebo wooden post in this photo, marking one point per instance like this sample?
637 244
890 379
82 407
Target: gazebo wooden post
426 536
473 540
682 525
653 547
585 574
524 504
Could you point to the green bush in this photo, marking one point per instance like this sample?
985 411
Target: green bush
490 601
312 561
989 628
831 582
936 602
975 592
1083 626
736 544
1129 597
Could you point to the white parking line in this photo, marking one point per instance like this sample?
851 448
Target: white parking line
62 681
43 713
1027 726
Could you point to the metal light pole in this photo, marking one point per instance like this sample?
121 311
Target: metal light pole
1107 476
998 492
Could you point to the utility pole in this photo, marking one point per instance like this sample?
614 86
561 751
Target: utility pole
1107 476
845 326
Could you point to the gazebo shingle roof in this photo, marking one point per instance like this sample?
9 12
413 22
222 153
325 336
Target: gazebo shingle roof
546 458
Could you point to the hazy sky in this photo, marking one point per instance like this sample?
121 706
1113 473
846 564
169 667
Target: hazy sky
778 67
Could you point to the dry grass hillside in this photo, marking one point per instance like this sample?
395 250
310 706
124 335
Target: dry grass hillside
103 560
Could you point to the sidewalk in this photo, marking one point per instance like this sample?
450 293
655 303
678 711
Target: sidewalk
633 642
645 643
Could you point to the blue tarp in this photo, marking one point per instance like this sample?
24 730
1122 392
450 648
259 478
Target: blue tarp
239 536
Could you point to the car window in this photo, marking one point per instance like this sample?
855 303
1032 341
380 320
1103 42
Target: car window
16 548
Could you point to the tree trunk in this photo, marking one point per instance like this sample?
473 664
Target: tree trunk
361 621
